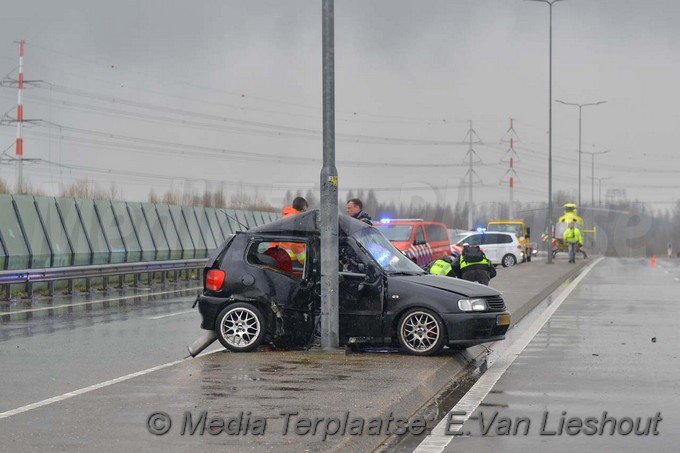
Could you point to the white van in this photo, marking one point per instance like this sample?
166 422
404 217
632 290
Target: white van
500 248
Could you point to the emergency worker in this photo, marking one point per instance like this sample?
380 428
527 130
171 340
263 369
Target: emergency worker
355 209
474 266
572 237
296 251
443 266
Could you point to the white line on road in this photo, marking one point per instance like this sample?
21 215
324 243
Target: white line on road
438 439
173 314
55 307
91 388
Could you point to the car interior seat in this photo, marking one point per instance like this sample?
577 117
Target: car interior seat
282 259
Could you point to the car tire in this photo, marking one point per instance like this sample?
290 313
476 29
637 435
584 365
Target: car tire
240 327
509 260
421 332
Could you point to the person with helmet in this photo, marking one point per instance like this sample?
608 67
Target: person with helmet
443 266
473 265
572 237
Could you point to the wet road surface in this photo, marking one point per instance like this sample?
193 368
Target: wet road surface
611 346
49 353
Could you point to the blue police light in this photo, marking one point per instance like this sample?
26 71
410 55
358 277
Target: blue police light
481 230
385 220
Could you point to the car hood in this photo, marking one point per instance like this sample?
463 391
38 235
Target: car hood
453 285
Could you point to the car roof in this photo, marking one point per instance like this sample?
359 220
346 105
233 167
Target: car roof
408 222
470 233
308 223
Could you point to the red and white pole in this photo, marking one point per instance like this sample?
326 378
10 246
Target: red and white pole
20 120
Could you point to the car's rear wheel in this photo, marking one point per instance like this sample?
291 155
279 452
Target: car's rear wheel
421 332
240 327
509 260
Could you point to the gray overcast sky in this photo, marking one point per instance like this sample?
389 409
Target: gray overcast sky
186 94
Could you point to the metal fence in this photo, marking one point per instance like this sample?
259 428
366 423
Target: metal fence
40 233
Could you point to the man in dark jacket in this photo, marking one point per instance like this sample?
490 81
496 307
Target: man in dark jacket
474 266
354 209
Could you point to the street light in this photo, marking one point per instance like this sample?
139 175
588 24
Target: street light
550 3
580 107
592 173
599 180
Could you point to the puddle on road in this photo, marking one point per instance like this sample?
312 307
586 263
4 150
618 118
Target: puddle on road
289 389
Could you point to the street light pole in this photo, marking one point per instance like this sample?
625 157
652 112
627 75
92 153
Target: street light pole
330 320
550 3
580 107
599 181
592 173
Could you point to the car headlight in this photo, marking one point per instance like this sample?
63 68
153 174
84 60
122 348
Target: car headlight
472 305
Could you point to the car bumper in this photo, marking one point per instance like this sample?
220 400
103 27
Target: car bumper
209 307
475 328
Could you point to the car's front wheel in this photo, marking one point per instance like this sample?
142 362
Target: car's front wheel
240 327
421 332
509 260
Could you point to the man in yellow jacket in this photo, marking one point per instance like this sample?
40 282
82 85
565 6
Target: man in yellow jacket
572 237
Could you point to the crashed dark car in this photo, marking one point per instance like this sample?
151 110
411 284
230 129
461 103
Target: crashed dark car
255 293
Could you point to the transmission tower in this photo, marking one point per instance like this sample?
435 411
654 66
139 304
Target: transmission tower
511 157
472 158
19 120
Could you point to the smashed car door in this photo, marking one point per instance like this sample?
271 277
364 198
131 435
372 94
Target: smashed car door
361 294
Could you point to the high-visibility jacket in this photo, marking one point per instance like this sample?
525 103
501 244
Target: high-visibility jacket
295 250
463 264
440 267
572 236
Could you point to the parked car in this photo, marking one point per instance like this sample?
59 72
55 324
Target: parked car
422 241
254 293
501 248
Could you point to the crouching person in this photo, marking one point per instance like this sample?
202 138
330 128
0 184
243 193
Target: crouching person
474 266
443 266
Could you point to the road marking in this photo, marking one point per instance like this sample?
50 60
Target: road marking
173 314
438 440
92 388
56 307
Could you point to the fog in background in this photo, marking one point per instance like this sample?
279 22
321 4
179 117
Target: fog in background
194 96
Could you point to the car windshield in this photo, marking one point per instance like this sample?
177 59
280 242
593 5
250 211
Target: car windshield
506 228
397 233
385 254
459 237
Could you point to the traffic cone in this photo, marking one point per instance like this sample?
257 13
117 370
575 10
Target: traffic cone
653 260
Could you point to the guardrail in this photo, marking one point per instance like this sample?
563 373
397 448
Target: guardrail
28 277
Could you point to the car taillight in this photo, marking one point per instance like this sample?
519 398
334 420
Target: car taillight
214 279
519 247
